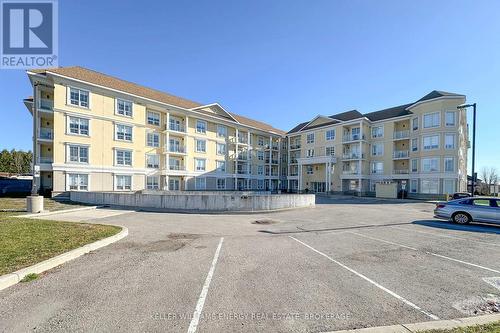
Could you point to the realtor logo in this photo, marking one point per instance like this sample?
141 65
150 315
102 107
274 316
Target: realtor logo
29 34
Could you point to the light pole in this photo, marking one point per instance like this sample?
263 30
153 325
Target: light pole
34 202
465 106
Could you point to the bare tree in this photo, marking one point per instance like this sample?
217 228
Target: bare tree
490 178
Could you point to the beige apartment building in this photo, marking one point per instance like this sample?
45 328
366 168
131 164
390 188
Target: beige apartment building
420 146
100 133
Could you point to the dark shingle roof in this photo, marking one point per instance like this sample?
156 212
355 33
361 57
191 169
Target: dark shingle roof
436 94
348 115
393 112
298 127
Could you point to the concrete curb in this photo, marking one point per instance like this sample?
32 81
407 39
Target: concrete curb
11 279
58 212
427 325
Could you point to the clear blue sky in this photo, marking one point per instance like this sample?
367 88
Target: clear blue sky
283 62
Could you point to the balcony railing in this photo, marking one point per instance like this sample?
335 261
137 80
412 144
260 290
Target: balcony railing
242 172
401 171
176 128
350 172
401 154
46 133
242 140
175 149
177 167
295 146
242 156
353 137
353 156
46 104
401 134
377 171
45 160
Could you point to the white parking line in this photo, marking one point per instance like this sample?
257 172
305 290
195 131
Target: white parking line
427 252
446 236
204 291
390 292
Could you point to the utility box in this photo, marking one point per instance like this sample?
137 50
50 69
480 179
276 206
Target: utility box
386 190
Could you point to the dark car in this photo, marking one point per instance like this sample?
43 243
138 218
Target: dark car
460 195
15 187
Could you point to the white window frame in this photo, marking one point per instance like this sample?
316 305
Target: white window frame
196 160
218 186
79 146
414 124
413 185
431 146
203 146
310 153
197 185
219 151
414 140
79 187
454 141
201 129
432 114
260 184
260 155
153 185
79 123
376 152
423 189
125 112
260 170
152 143
220 165
414 161
454 186
117 125
375 167
445 160
117 185
310 138
377 134
154 166
80 91
329 150
223 133
118 150
426 159
309 170
446 113
152 120
330 134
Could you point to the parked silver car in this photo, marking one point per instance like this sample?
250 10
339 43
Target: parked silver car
465 210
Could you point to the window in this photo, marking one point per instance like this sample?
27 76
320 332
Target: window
449 118
221 131
432 120
201 146
78 154
414 165
449 164
221 149
378 132
152 183
153 161
123 107
200 164
330 135
123 182
429 186
414 144
200 183
430 164
481 202
78 126
330 151
309 169
310 138
448 185
153 140
413 185
431 142
123 132
414 124
221 183
221 166
449 141
153 118
123 157
260 141
201 126
378 149
310 153
378 167
260 155
175 125
260 169
260 184
78 182
79 97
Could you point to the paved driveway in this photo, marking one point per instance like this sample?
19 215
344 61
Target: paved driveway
344 264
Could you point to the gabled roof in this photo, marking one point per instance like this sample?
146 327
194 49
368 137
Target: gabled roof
393 112
298 127
436 94
348 115
97 78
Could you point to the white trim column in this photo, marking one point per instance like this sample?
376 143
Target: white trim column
360 162
167 183
300 178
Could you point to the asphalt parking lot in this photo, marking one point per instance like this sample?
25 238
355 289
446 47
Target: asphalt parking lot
347 263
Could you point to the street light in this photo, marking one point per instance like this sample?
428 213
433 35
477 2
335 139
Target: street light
465 106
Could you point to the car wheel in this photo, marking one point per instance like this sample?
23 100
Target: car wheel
461 218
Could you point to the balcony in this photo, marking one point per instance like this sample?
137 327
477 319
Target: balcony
177 167
317 159
46 133
175 127
401 171
242 157
377 171
353 156
45 160
353 138
295 146
350 172
273 147
243 172
401 135
46 104
401 154
175 149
